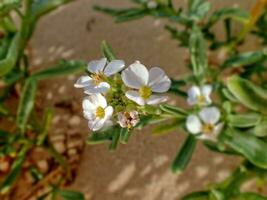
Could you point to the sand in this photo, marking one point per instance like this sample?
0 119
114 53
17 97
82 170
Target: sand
139 170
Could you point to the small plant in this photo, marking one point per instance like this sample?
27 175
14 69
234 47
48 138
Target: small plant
226 96
24 130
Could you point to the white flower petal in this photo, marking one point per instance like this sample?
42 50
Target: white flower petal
134 96
156 99
93 101
83 81
96 125
135 76
96 66
158 80
193 94
89 114
88 104
206 91
94 89
218 128
108 112
210 115
193 124
114 67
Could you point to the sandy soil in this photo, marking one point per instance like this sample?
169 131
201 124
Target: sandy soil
139 170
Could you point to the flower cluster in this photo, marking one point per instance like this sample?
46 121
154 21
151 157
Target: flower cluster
118 94
206 123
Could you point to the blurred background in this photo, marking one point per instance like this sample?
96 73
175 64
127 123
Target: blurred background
139 170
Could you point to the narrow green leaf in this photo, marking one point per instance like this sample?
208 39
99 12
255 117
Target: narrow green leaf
115 138
250 196
203 195
100 137
26 103
42 7
15 170
244 120
48 116
62 69
107 51
174 110
166 128
250 146
9 62
244 59
249 94
70 195
124 135
197 50
224 13
7 5
184 155
261 129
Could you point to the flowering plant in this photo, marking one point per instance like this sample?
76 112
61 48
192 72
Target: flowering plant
226 97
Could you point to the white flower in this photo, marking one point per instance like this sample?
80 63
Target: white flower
145 82
152 4
206 123
100 70
96 110
128 119
199 95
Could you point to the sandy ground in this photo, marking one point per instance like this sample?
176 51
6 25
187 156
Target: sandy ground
139 170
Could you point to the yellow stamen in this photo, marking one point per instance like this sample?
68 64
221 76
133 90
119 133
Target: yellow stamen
98 77
145 92
207 128
201 99
100 112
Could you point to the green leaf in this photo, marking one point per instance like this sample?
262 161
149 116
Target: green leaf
42 7
62 69
224 13
124 135
197 50
166 128
70 195
48 116
115 137
244 59
249 94
9 62
202 195
250 146
7 5
184 155
173 110
198 9
250 196
15 170
244 120
26 103
107 51
261 129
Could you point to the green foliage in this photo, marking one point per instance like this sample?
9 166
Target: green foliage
184 155
26 104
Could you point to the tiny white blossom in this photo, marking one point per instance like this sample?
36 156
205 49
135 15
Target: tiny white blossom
144 83
128 119
152 4
207 123
100 70
199 95
96 110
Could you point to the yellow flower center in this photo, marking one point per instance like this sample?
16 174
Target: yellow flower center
145 92
100 112
98 77
201 100
207 128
